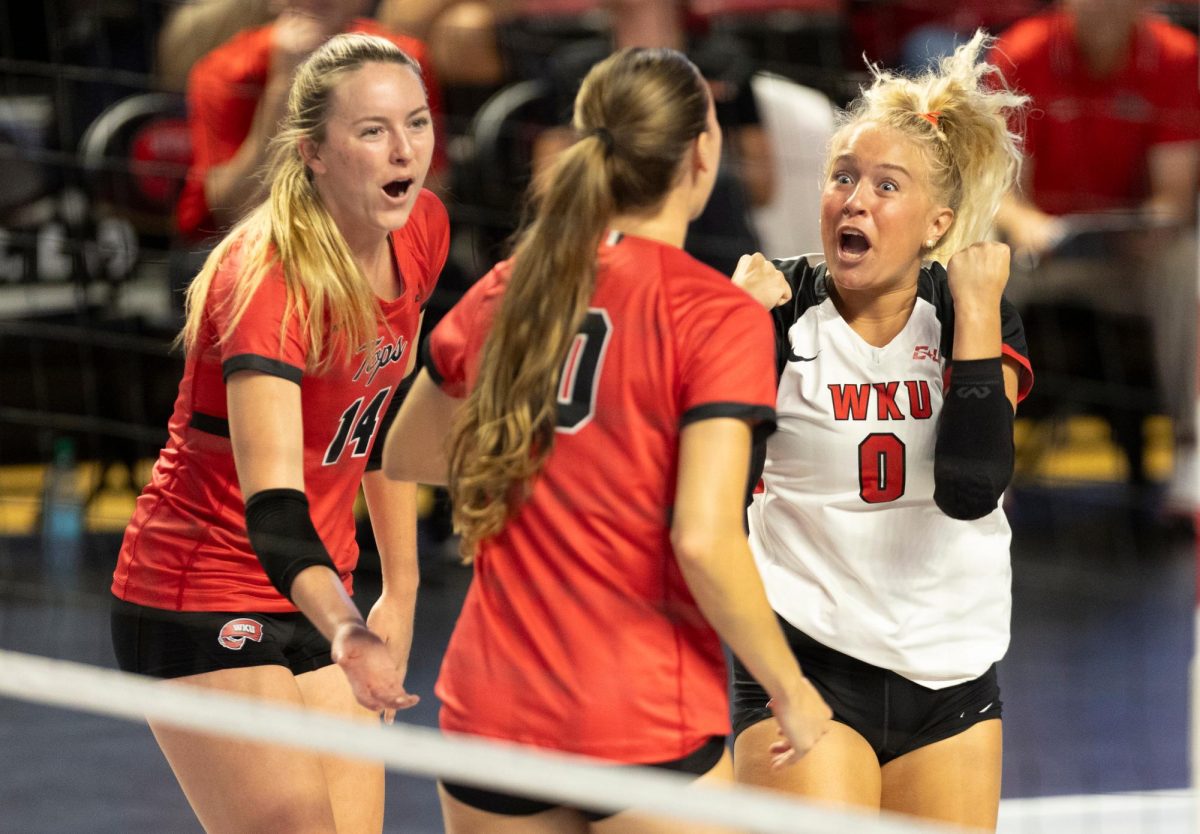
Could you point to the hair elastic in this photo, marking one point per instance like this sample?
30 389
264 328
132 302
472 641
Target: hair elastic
605 137
931 116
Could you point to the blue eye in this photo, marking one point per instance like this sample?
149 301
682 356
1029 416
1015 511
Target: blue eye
842 179
888 186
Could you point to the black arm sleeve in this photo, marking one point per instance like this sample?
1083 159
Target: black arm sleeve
283 536
973 459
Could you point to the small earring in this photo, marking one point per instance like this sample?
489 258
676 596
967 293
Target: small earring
929 244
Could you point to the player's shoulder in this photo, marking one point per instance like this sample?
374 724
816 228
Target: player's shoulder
653 264
688 281
229 266
1176 43
934 272
681 268
469 320
241 58
425 236
933 285
487 292
808 278
428 220
234 264
432 211
800 270
1028 38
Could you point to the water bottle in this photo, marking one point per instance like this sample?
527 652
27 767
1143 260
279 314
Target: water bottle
62 516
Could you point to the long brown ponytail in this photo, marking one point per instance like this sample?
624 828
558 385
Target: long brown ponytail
636 114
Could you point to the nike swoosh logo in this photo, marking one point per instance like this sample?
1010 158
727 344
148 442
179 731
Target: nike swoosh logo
985 709
792 357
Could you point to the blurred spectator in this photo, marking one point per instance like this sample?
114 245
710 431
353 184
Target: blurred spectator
1112 141
196 27
1116 114
1185 13
909 34
723 232
237 93
728 71
507 40
417 17
511 40
452 28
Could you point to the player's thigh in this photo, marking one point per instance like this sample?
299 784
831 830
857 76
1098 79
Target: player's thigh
840 768
356 787
635 822
236 785
461 818
955 780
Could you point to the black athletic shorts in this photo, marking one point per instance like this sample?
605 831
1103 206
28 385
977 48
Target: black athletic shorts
172 644
704 759
894 715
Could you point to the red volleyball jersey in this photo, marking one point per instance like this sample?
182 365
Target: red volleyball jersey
186 547
223 93
579 632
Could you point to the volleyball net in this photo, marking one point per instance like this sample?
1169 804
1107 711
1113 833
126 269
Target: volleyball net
558 778
74 734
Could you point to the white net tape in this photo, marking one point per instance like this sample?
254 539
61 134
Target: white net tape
1194 697
1147 812
425 752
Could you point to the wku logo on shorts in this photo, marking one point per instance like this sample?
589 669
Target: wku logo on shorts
235 633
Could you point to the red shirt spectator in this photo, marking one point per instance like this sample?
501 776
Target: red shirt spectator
1088 137
881 29
224 90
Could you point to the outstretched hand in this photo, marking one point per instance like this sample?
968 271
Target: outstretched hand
759 277
368 665
392 621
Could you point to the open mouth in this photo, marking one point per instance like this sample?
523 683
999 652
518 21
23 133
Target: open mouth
853 243
397 188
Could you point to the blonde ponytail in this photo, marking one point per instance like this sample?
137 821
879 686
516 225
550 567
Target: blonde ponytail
326 288
959 114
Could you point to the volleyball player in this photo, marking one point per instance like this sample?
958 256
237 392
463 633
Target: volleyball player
598 394
235 572
878 532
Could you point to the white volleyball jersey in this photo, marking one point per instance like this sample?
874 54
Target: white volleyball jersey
851 547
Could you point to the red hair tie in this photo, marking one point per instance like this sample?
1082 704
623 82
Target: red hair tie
931 117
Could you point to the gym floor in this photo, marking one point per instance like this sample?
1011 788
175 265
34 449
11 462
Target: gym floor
1094 685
